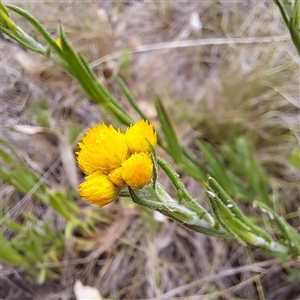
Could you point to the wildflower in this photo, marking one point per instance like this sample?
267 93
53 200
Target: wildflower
137 170
137 136
111 160
58 42
102 149
98 189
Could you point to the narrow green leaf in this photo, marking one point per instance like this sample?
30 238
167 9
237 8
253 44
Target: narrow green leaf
16 227
7 158
225 217
153 156
124 89
38 247
5 20
179 186
192 162
79 68
3 9
105 92
296 15
253 182
282 11
64 201
12 149
42 275
19 37
174 147
288 232
31 218
35 23
59 207
229 203
70 227
218 169
253 170
9 254
76 67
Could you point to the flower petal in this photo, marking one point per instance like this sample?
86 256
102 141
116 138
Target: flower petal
98 189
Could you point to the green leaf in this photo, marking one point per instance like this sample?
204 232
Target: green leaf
42 275
153 156
218 169
70 227
16 227
229 203
35 23
174 147
289 234
228 221
5 20
282 11
78 67
244 163
38 247
124 89
6 157
180 188
3 9
31 218
62 208
193 167
9 254
12 149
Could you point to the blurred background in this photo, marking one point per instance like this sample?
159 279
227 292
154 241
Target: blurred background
242 83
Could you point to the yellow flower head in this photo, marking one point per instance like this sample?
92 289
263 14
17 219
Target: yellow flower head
113 160
102 149
98 189
137 136
137 170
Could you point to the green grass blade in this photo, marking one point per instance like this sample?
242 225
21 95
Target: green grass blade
218 169
35 23
124 89
174 147
3 10
230 204
10 254
291 235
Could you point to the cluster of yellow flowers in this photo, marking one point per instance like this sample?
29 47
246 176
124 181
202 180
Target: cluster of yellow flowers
112 160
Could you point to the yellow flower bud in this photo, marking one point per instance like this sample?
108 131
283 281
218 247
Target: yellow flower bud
138 134
98 189
137 170
58 42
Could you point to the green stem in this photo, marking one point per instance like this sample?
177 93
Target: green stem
34 22
179 186
162 202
